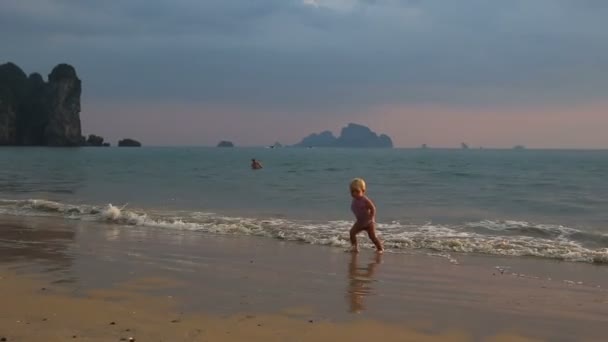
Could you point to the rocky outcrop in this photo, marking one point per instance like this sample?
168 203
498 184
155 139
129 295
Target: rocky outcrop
8 128
323 139
63 128
353 135
129 143
13 88
225 143
94 140
35 112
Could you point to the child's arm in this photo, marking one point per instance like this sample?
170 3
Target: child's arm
371 207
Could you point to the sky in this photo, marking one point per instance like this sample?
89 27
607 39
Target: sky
436 72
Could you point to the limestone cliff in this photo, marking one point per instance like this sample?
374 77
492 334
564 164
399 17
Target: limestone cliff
8 131
13 84
127 142
323 139
225 143
63 128
353 135
35 112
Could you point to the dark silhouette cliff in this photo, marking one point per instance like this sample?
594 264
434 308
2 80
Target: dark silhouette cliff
353 135
127 142
225 143
38 113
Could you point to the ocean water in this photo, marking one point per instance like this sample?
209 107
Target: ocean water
549 204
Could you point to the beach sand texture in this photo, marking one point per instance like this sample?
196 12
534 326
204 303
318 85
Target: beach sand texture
65 280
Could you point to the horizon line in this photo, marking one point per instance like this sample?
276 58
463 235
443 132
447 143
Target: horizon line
471 148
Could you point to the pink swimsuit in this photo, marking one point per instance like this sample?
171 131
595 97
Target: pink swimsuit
361 211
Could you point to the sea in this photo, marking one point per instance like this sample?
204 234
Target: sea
523 203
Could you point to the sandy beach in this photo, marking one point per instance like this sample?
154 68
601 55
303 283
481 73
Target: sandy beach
73 280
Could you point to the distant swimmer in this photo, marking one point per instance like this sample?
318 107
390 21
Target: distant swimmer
255 164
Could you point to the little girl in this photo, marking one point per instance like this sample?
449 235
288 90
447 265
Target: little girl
365 213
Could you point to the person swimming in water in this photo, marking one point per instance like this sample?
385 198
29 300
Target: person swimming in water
255 164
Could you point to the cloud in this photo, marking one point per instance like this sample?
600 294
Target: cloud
336 5
319 56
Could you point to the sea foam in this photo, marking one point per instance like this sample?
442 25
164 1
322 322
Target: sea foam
507 238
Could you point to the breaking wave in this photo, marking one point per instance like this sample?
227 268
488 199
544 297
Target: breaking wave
506 238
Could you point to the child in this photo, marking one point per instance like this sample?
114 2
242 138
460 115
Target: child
365 213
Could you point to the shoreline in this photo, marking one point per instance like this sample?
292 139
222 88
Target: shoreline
227 278
487 237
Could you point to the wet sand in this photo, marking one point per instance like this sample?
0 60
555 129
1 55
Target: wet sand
61 279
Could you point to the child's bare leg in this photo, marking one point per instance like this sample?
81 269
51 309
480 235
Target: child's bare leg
353 237
371 232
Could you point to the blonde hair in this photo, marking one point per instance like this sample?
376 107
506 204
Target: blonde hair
358 184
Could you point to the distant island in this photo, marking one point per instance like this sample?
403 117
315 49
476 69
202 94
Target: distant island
35 112
225 143
353 135
95 140
129 143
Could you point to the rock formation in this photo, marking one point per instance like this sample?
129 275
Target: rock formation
63 128
13 89
353 135
225 143
323 139
35 112
128 143
94 140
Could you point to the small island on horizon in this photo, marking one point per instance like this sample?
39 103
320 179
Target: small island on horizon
351 136
225 143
